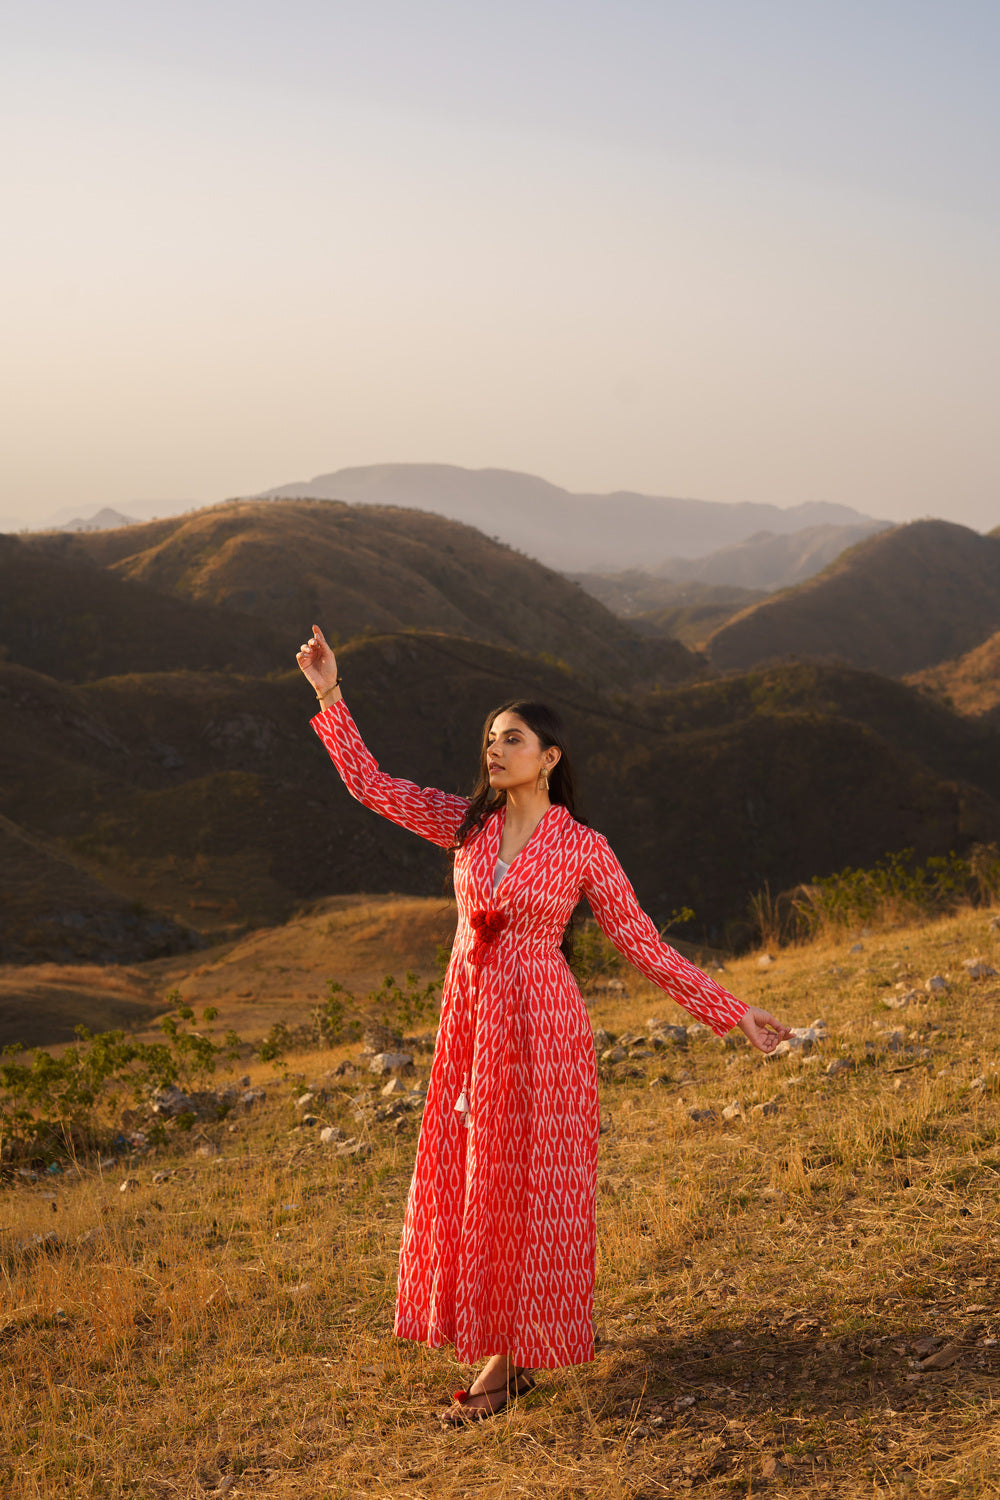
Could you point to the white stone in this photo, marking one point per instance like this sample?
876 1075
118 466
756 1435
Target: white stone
977 968
353 1148
172 1101
391 1062
936 985
676 1034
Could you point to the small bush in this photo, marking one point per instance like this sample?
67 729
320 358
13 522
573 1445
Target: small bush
66 1104
899 888
341 1018
330 1020
595 957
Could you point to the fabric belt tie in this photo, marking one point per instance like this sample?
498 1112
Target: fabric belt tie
487 927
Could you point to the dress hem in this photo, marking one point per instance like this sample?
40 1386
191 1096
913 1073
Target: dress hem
525 1356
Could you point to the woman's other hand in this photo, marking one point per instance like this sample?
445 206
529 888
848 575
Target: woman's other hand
318 662
762 1030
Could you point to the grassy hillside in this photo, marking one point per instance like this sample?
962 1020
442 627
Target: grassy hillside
65 616
273 974
901 601
797 1297
51 906
362 569
207 797
971 684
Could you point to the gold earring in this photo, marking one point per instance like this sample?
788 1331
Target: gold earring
544 778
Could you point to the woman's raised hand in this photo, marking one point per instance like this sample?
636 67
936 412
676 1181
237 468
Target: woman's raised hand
762 1030
318 662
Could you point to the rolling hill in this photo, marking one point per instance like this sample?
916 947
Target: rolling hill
568 531
898 602
162 786
206 797
64 615
970 684
359 569
52 907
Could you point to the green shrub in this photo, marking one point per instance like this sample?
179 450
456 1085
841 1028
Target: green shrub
70 1102
897 889
341 1018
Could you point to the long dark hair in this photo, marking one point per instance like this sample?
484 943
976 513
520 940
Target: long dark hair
547 725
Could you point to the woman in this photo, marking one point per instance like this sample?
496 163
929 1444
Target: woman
499 1240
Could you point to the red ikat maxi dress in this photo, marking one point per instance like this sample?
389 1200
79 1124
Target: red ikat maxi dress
499 1239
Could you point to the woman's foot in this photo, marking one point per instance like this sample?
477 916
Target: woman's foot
497 1388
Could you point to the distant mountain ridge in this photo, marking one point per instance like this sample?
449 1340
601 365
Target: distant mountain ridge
769 560
571 532
104 519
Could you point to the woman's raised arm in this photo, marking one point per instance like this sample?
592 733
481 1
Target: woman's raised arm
432 814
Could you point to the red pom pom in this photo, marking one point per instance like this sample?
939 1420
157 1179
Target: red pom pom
487 926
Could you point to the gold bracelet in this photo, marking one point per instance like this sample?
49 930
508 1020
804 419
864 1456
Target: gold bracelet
327 691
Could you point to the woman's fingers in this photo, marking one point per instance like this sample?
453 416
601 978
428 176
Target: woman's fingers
762 1030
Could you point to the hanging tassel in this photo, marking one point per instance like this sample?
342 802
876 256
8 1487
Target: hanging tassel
462 1108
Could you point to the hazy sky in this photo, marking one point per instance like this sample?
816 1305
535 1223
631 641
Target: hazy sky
732 249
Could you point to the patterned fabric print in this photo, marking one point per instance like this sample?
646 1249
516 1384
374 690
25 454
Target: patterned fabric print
499 1241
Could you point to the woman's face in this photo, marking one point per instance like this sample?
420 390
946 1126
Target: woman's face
514 754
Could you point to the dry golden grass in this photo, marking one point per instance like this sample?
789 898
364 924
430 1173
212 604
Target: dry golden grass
273 974
761 1282
970 684
270 974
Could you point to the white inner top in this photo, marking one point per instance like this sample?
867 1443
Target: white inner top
499 872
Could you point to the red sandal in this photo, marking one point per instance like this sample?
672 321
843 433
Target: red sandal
463 1415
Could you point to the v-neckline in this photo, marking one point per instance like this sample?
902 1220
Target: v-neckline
502 820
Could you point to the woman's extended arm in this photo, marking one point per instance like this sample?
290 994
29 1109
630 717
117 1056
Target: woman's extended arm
433 814
614 904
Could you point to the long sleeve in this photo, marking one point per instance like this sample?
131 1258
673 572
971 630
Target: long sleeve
618 913
432 814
